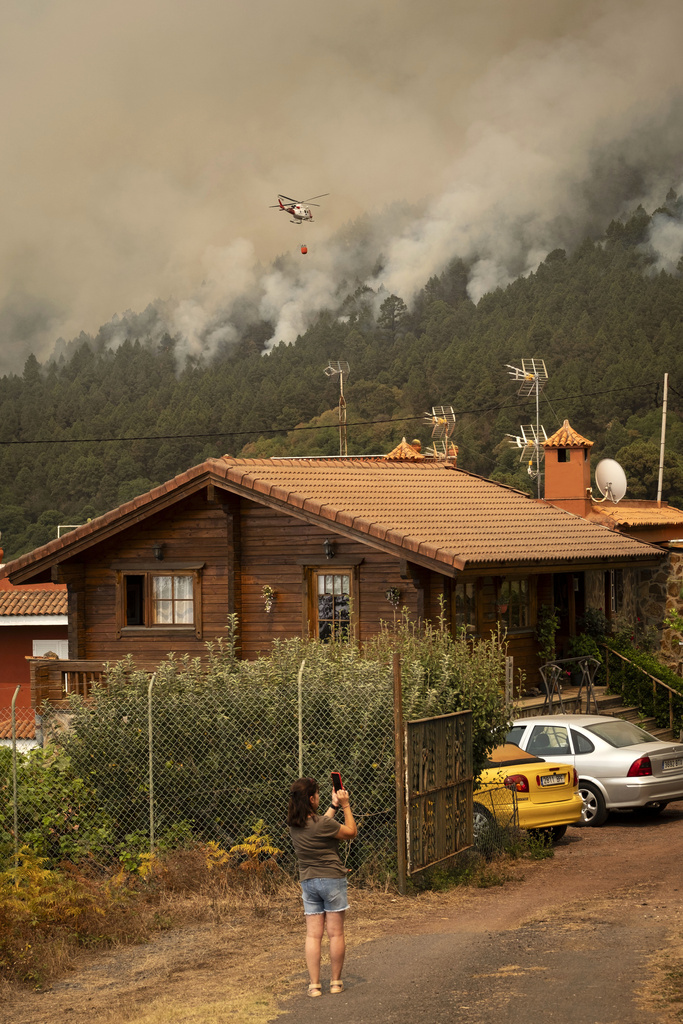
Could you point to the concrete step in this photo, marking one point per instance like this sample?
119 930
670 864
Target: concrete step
609 700
664 734
608 704
629 713
632 715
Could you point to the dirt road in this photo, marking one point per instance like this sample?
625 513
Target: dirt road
592 936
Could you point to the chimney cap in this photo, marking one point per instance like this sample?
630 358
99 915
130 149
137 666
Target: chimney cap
567 437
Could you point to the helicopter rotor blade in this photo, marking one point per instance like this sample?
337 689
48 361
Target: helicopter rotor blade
290 200
321 196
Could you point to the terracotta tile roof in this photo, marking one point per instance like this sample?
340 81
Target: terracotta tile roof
567 437
433 510
32 599
411 452
429 512
640 513
26 730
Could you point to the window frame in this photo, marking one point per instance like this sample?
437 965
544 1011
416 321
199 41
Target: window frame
469 592
149 572
552 732
504 617
311 573
489 602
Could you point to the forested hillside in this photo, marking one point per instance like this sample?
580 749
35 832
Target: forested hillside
86 431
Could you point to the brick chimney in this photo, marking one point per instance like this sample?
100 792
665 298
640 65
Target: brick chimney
568 470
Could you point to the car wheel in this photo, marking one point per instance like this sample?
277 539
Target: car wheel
482 822
652 810
594 808
552 832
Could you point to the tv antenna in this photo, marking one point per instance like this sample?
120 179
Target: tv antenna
610 480
533 377
340 368
442 421
531 443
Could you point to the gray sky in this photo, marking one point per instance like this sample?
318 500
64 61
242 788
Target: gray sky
142 142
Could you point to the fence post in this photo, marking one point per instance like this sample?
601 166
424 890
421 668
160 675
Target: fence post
300 699
509 680
14 779
150 746
400 773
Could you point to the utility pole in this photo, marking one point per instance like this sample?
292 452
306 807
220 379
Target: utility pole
661 446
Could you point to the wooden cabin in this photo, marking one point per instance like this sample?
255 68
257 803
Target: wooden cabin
319 547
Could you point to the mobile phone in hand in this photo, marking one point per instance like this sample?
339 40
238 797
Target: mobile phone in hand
337 781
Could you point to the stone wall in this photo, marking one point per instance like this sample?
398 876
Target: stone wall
671 649
629 595
652 594
594 584
643 601
628 592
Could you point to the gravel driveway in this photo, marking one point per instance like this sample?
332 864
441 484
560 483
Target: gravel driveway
593 936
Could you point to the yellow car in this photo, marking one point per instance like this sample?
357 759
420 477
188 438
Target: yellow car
517 788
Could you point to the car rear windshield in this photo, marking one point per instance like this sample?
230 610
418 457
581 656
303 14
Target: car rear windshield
621 734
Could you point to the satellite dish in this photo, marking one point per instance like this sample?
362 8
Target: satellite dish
610 479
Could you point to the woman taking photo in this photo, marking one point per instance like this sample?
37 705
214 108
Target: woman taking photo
316 839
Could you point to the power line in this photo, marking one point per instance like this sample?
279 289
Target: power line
477 411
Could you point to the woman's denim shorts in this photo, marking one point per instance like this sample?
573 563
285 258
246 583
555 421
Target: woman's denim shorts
324 895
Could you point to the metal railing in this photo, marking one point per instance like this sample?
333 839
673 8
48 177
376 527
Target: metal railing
656 683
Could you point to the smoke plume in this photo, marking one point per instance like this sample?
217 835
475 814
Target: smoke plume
143 143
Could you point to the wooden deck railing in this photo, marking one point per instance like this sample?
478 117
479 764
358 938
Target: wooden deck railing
653 679
52 680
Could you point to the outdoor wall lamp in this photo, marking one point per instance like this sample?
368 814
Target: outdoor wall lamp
328 548
158 550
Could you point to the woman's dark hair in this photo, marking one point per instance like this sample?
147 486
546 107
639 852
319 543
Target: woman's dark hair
300 795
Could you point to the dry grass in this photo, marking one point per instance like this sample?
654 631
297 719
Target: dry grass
225 926
47 917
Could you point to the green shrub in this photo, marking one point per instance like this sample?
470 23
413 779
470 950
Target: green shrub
546 629
226 742
584 645
60 815
636 687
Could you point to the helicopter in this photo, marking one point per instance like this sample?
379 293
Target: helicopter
298 209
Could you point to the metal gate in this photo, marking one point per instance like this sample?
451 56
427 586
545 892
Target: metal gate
438 789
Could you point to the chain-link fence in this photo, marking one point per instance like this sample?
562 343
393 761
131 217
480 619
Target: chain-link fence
24 729
140 769
495 819
206 755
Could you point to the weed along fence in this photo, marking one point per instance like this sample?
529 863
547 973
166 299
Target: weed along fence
206 753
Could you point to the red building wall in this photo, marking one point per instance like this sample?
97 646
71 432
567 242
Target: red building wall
16 644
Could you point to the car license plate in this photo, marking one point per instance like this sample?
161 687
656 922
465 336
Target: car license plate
553 780
673 762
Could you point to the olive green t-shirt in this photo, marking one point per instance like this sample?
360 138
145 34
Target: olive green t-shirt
317 848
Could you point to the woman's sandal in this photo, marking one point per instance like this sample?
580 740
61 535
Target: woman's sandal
315 990
336 987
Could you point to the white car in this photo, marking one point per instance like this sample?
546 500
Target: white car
620 766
